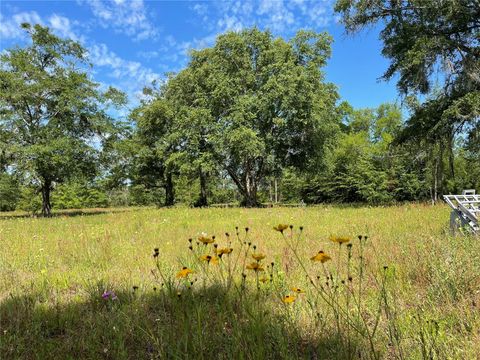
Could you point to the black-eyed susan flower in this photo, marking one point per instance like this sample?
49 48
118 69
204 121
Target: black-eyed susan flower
258 257
340 239
280 227
184 272
209 259
255 266
321 256
205 240
297 290
288 299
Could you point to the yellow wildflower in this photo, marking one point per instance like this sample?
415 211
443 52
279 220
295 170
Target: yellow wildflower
224 251
297 290
258 257
289 299
321 256
340 239
280 227
205 240
255 266
263 279
209 259
184 272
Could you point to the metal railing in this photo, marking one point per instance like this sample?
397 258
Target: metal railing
465 210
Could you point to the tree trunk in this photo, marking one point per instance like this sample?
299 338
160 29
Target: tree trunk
250 191
451 155
169 190
46 206
434 185
202 201
441 170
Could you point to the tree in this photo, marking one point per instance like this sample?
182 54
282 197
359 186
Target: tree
53 112
422 38
157 138
255 104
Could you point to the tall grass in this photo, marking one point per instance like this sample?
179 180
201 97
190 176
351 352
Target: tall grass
407 291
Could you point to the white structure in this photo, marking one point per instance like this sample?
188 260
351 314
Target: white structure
466 211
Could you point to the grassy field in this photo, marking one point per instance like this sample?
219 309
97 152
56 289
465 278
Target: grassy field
86 286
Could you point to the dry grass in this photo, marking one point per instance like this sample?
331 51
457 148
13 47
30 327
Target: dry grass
53 272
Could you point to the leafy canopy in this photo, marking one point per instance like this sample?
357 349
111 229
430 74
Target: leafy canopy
54 116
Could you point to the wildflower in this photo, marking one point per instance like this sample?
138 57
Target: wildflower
263 279
109 295
184 272
340 239
321 256
255 266
289 299
280 227
205 240
297 290
224 251
209 259
258 257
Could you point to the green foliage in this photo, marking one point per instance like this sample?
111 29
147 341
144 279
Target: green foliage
247 106
78 195
51 111
364 166
30 200
9 192
421 39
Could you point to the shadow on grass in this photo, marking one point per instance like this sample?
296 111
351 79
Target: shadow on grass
200 324
66 213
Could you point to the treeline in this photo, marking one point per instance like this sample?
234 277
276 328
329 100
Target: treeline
249 121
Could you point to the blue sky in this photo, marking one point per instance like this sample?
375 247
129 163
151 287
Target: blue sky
133 42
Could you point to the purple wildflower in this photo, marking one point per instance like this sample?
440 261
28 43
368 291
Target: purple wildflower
109 295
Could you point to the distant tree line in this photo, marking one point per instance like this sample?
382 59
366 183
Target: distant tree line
249 121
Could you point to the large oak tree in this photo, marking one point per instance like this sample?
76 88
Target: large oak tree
53 113
254 103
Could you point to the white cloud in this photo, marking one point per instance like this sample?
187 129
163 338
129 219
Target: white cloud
282 17
276 16
127 17
63 27
10 27
130 76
